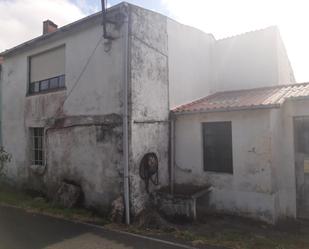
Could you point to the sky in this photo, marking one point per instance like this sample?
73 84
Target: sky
21 20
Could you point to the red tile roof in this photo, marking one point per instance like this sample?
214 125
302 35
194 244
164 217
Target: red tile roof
265 97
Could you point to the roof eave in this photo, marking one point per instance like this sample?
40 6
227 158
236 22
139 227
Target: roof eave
298 98
245 108
56 34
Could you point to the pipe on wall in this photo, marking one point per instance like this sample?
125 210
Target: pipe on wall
172 139
103 4
0 101
125 116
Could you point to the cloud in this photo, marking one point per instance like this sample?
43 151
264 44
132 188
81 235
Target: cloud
87 7
21 20
225 18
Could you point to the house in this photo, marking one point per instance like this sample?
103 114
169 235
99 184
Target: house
86 110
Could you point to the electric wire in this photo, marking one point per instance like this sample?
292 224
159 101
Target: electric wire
80 75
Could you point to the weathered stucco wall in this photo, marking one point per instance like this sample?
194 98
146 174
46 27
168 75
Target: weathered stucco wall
149 99
249 190
189 63
246 61
169 64
15 139
88 151
285 70
283 162
199 64
283 155
90 156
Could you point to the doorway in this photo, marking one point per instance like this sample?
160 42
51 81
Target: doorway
301 141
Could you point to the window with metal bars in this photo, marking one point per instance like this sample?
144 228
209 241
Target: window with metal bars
217 146
46 71
45 85
37 139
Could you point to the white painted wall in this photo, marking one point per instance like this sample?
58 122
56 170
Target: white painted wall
149 99
99 91
170 64
264 183
283 162
189 63
285 70
246 61
199 65
283 157
249 190
76 153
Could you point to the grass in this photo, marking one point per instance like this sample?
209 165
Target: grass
235 233
244 238
230 239
12 197
229 232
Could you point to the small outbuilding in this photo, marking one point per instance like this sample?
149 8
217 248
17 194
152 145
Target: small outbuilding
251 146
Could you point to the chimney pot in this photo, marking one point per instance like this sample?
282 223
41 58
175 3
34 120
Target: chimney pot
49 27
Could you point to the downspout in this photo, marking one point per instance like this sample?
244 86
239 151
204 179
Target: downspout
172 139
125 117
103 4
1 101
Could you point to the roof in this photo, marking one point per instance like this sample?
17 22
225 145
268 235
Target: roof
59 32
257 98
47 36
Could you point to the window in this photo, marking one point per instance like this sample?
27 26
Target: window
47 71
217 146
49 84
301 135
37 140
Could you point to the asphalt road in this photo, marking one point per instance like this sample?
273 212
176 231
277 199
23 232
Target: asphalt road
23 230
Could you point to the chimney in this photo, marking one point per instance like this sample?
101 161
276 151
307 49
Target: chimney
48 27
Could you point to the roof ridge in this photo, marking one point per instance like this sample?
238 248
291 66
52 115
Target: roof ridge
60 30
265 87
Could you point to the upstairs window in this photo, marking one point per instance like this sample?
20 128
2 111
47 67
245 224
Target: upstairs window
217 146
37 141
47 71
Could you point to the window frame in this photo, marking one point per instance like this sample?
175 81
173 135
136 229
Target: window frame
59 88
220 170
37 146
60 78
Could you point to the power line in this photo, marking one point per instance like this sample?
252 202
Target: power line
81 74
84 69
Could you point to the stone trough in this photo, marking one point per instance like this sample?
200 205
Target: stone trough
182 203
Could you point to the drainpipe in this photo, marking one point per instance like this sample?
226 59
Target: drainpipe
0 101
172 139
125 117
